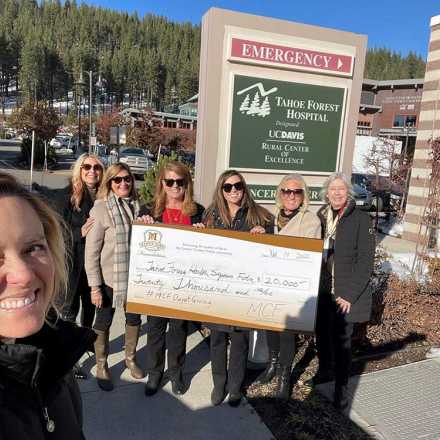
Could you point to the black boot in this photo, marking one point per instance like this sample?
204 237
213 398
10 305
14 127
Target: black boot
177 384
153 383
283 390
271 370
341 400
218 394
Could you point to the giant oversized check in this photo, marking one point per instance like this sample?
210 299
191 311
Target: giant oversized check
225 277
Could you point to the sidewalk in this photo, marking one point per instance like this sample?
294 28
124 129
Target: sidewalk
126 413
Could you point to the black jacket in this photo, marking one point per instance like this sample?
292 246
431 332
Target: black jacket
76 243
36 379
353 260
238 224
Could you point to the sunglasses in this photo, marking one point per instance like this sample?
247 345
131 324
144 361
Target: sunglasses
171 182
227 187
119 179
288 192
88 167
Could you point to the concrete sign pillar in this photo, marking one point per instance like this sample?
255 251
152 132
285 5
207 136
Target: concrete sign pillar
428 127
275 97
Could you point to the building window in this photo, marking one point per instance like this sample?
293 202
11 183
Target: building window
186 125
170 124
404 121
363 128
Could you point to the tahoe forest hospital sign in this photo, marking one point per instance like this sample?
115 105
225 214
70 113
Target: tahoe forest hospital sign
275 98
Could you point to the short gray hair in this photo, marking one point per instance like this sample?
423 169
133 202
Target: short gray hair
300 179
330 179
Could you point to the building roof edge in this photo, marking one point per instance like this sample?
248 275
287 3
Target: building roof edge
435 20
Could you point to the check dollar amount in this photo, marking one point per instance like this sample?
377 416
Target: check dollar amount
224 277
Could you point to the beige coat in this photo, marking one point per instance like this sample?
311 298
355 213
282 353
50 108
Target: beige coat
100 247
305 224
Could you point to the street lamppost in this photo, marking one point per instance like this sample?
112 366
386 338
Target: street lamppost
90 74
78 88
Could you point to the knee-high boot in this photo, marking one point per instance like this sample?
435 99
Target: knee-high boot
283 390
131 340
101 353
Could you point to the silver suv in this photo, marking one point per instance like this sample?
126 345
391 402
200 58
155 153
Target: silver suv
136 159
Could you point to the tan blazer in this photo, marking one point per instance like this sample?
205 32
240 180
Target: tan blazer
305 224
100 247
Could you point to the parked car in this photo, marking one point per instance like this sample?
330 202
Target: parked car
137 159
385 193
60 141
363 197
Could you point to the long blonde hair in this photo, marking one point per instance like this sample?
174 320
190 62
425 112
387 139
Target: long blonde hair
256 214
53 226
106 184
189 207
77 184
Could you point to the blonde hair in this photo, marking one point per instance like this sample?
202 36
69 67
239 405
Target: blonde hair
297 178
53 226
77 184
256 214
106 184
189 207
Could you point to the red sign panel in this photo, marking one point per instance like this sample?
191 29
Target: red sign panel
291 56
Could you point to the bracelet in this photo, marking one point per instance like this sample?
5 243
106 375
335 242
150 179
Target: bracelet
96 290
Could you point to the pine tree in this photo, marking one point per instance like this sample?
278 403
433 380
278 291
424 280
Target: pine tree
244 107
265 108
254 108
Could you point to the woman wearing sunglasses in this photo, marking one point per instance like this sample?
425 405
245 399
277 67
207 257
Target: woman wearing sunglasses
294 219
106 263
173 204
87 175
232 208
78 199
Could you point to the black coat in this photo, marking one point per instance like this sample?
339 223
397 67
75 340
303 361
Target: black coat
238 224
353 260
76 244
35 375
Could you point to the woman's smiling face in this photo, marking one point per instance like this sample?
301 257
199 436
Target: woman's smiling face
26 270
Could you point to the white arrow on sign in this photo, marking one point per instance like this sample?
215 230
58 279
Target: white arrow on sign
340 63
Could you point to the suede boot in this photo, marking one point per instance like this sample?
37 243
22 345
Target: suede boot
271 370
283 390
101 352
341 400
131 340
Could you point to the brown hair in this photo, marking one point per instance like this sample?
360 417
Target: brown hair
189 207
256 215
52 226
77 184
113 171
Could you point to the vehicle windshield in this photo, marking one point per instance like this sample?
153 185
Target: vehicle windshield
135 151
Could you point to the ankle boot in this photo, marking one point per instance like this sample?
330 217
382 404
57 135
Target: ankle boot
283 390
131 340
101 352
271 370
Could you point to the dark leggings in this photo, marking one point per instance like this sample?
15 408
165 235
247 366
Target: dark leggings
233 374
333 339
104 314
175 342
70 309
284 344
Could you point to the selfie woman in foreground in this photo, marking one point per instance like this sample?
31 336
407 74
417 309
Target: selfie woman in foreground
232 208
344 293
39 397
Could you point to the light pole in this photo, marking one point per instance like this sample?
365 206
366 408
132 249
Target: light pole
90 73
78 86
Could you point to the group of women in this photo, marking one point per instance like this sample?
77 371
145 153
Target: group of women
100 208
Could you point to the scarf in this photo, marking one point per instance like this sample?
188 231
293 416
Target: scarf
331 223
122 215
282 218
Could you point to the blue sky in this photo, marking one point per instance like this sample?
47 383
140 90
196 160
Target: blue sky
400 25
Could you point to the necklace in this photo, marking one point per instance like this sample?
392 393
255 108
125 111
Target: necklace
175 215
